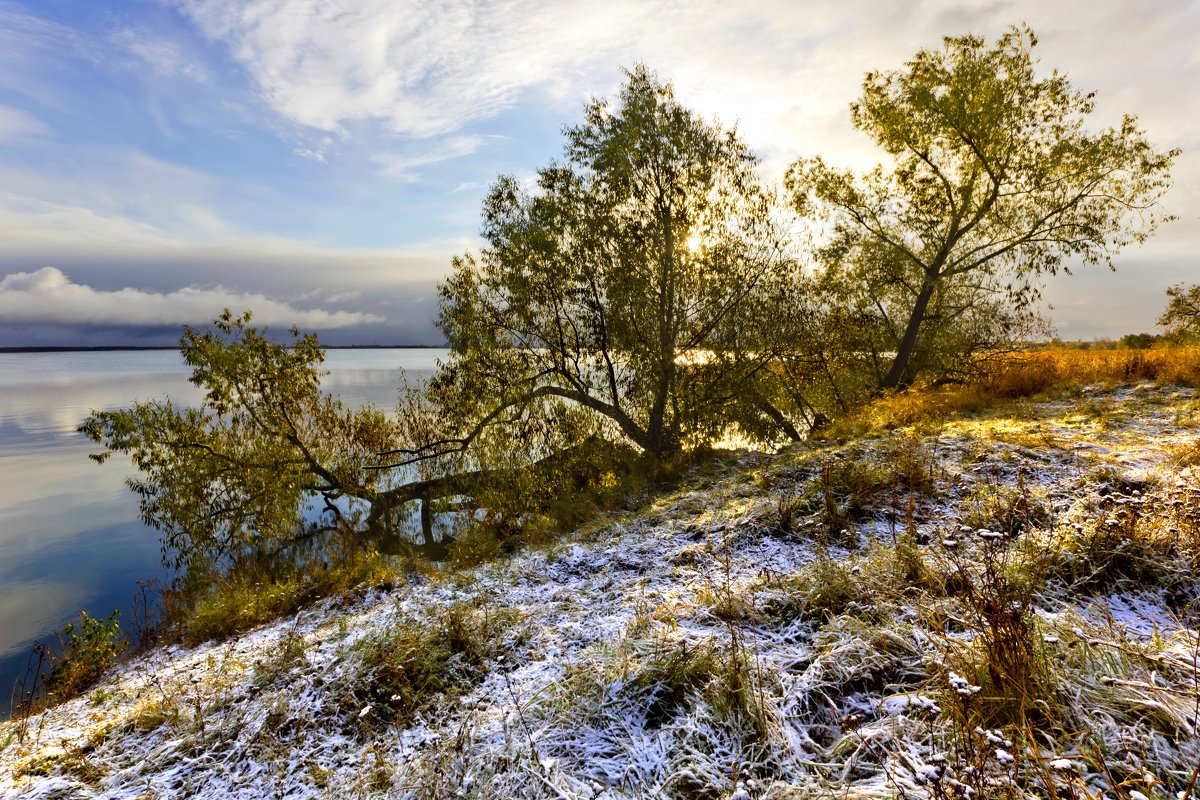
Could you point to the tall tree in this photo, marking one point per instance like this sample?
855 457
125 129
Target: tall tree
643 279
994 181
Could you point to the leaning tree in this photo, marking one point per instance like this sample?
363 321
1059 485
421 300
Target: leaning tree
235 473
994 180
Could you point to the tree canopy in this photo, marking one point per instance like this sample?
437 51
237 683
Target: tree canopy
1181 317
642 278
642 294
237 471
267 458
994 180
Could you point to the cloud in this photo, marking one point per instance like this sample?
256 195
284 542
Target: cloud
787 69
165 57
47 296
428 69
405 165
28 45
422 68
18 126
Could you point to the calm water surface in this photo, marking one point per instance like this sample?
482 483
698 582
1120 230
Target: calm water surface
70 539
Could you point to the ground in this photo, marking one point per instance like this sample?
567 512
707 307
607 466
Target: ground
999 604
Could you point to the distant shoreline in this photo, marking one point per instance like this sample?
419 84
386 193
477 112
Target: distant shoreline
121 347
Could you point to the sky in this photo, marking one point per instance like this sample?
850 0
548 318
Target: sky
321 161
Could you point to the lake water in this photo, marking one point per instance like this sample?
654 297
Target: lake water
70 538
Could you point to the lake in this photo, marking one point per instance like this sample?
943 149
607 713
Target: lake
70 537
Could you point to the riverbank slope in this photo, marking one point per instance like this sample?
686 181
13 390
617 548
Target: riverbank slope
985 605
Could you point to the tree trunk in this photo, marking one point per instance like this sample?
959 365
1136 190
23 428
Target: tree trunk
898 373
426 521
661 441
775 415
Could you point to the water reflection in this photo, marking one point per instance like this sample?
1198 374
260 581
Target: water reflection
70 538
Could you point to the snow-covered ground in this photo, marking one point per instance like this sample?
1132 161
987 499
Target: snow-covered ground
680 651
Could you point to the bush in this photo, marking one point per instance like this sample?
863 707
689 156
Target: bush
89 648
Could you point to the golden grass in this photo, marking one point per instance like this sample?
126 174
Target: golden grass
1027 374
1013 376
248 598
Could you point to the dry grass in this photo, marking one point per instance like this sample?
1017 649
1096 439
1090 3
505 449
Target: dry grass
1028 374
251 597
413 664
1014 376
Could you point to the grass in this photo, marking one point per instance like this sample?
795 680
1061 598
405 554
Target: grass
252 596
1132 540
1030 374
412 664
848 487
1009 509
662 679
732 669
1001 379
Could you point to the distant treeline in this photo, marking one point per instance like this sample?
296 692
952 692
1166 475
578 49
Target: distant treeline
1130 341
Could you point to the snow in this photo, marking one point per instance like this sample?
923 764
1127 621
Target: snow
569 712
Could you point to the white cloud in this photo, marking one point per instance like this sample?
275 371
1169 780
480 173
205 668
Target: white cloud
49 296
17 125
164 56
405 165
422 68
785 71
122 195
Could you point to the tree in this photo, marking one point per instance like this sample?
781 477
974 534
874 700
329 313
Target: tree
1181 317
235 473
639 294
235 477
643 280
994 181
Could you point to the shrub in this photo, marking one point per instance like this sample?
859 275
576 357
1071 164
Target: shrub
86 650
89 648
